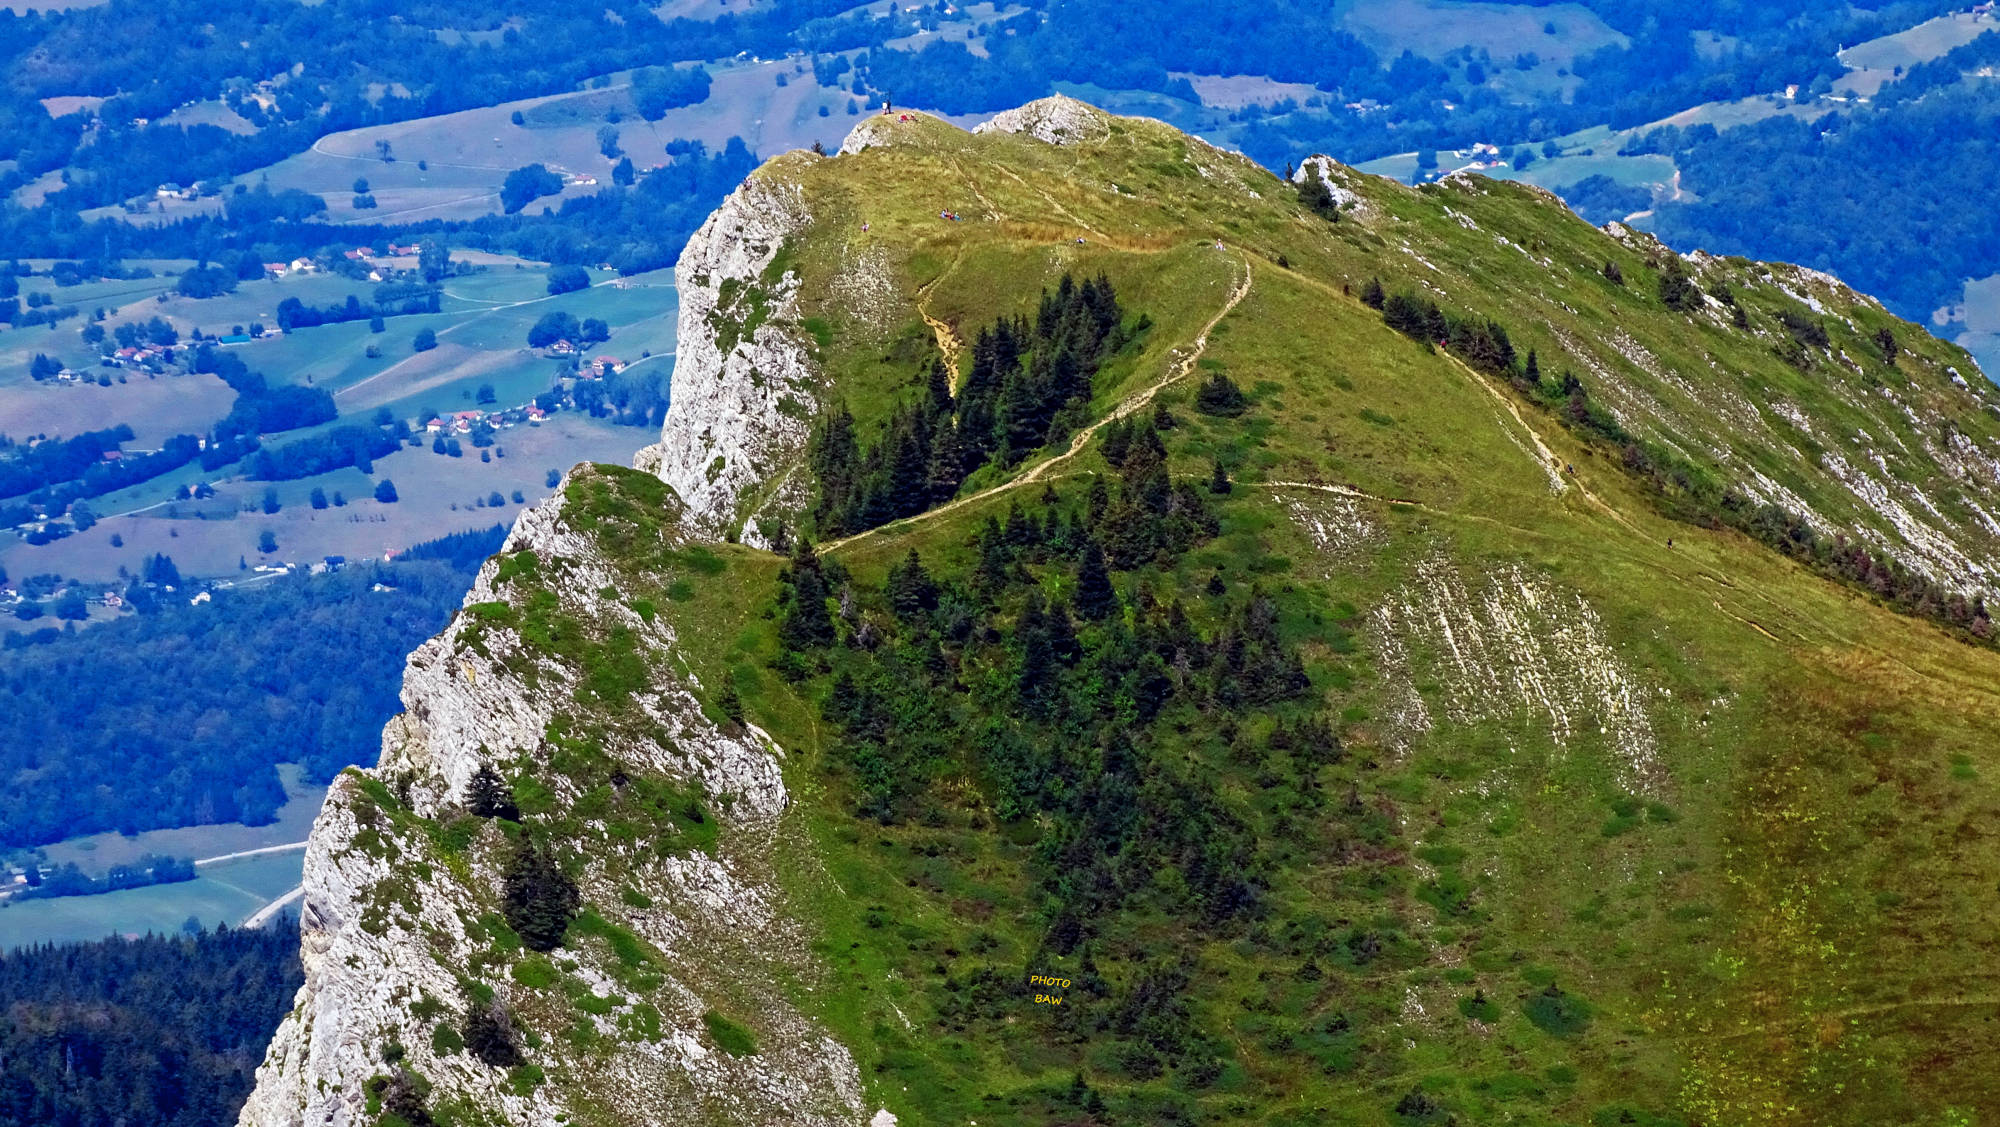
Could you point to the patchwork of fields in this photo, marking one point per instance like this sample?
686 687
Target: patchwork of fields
481 330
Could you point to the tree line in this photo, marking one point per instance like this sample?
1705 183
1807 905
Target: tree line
1682 489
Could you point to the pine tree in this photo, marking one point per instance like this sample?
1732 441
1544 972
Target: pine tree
539 899
729 702
1372 295
489 1035
488 795
1219 395
1218 482
807 624
911 590
1885 339
1096 599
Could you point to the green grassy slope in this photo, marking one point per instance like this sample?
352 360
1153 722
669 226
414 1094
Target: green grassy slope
1639 821
1764 866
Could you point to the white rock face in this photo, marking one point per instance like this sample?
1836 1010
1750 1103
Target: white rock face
1055 120
391 927
738 423
1338 180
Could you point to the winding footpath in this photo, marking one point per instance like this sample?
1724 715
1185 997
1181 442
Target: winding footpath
1131 403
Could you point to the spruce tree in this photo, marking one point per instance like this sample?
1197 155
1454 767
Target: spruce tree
1885 339
729 701
539 900
1372 295
489 1035
489 796
911 590
807 624
1096 599
1218 482
1219 395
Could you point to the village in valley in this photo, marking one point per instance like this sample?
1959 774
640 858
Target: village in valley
483 382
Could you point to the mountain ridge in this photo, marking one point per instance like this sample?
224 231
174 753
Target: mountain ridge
1541 677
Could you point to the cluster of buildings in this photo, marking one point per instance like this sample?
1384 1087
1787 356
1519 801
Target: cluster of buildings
389 250
462 422
595 368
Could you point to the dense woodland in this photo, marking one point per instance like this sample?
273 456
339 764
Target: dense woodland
191 707
1857 192
153 1032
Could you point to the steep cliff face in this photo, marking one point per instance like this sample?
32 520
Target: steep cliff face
744 386
401 928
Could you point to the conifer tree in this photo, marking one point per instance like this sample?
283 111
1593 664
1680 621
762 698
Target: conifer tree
1218 482
729 701
807 624
488 795
1096 599
539 899
911 590
489 1035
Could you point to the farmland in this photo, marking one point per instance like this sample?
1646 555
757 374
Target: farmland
227 892
222 894
481 362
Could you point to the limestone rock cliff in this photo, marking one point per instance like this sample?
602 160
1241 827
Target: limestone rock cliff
743 377
399 928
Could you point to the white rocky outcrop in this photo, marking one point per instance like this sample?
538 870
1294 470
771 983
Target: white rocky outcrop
1055 120
744 382
1512 644
391 928
1338 179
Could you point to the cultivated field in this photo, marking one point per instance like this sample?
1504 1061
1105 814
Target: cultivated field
482 334
222 894
98 852
439 495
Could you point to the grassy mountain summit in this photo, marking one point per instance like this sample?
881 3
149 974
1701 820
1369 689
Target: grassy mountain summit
1215 649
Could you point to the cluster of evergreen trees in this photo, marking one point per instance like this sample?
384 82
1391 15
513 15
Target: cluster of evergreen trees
163 1031
70 880
259 408
28 467
1078 676
396 302
1029 385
